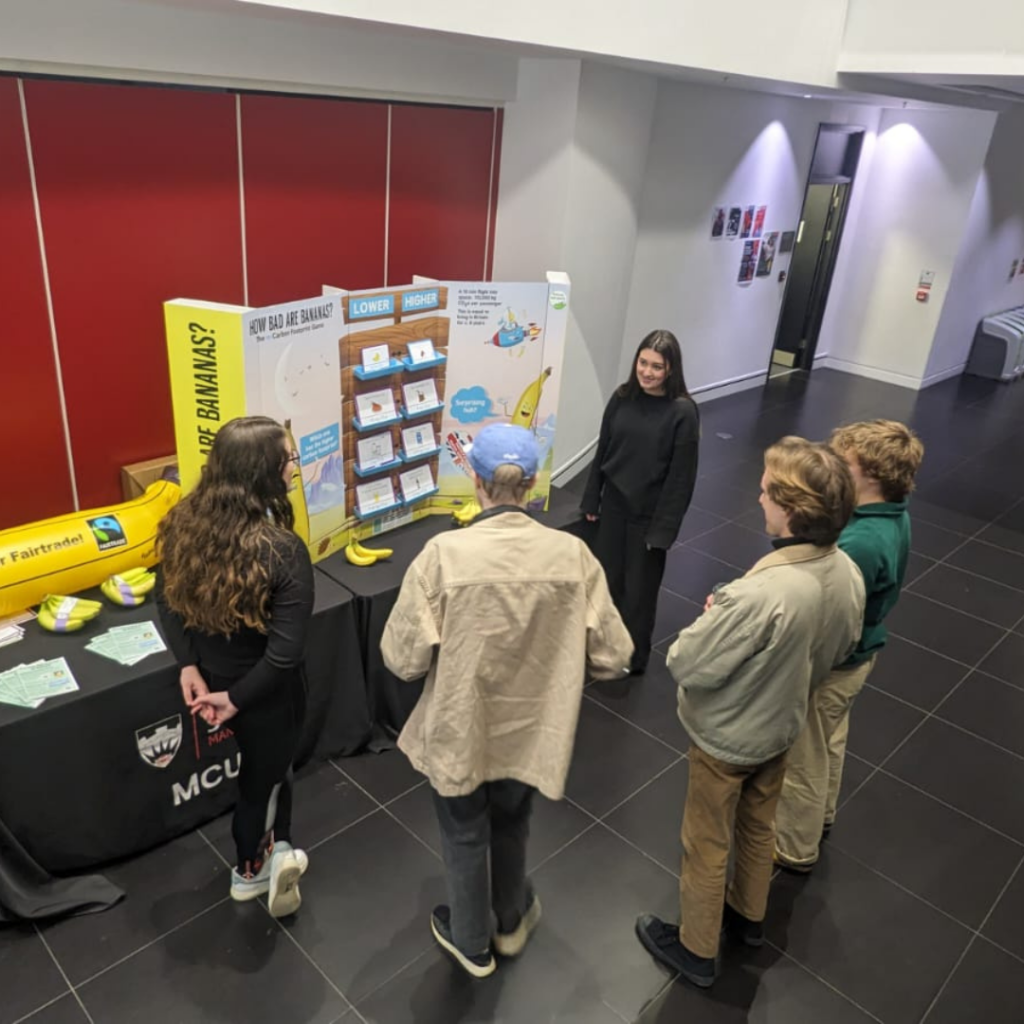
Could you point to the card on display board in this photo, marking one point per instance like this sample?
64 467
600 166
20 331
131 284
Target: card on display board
374 451
421 351
376 357
420 396
416 440
378 494
416 482
376 407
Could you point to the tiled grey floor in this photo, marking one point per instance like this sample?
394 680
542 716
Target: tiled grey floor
913 915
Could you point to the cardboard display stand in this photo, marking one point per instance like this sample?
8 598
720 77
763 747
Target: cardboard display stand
459 355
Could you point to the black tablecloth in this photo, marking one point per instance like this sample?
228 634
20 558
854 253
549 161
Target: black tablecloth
390 700
75 787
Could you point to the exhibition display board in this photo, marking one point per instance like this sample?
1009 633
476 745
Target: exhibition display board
381 391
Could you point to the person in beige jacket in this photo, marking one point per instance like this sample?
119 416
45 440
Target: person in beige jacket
506 619
745 670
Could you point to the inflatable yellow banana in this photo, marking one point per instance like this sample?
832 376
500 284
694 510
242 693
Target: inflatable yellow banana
69 553
526 408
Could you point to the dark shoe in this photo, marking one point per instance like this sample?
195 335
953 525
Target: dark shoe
479 965
791 867
826 830
638 667
742 929
661 940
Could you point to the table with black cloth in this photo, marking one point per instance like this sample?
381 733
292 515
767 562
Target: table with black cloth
390 700
83 779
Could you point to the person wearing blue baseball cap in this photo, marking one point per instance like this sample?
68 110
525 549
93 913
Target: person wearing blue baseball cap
506 619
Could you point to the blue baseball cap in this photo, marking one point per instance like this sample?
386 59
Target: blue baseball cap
502 444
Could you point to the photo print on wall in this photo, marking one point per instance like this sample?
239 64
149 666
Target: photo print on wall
762 212
767 257
748 222
718 222
733 228
748 262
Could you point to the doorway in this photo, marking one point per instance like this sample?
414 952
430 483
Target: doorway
833 168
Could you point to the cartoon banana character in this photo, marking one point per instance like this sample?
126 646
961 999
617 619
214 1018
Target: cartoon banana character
296 492
526 408
73 552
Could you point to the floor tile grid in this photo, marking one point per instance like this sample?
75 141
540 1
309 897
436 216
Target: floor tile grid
973 939
63 995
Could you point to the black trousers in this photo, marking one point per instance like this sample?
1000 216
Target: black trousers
268 735
634 573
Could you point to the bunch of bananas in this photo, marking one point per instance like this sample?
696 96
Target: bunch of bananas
129 588
61 614
467 513
358 555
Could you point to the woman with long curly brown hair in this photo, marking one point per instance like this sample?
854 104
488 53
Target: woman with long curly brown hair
235 598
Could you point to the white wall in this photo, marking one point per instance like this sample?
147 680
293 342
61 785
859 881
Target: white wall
994 238
916 184
716 147
573 156
934 36
217 42
795 40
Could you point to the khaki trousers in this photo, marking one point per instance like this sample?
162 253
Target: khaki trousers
726 804
814 769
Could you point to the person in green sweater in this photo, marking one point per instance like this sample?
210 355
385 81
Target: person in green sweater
884 457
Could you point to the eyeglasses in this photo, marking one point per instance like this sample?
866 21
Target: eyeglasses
292 457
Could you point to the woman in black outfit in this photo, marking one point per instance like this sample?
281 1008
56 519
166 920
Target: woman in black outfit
641 482
235 598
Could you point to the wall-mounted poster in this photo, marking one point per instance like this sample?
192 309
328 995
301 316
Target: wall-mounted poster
748 222
767 257
748 262
1020 269
759 216
718 222
1013 270
733 227
788 242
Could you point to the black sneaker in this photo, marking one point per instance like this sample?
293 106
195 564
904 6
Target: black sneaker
661 940
742 929
479 965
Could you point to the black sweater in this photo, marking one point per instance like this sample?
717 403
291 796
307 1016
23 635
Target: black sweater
647 451
257 664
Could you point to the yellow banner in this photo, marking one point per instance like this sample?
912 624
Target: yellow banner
207 367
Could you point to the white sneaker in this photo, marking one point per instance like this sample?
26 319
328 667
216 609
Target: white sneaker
243 889
512 943
287 866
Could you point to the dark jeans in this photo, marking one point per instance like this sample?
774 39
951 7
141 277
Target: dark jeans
634 573
495 820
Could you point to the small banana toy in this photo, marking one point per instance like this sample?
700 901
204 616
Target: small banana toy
467 513
129 588
61 614
358 555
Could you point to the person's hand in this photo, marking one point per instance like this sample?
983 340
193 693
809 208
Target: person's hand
590 518
709 602
214 708
193 684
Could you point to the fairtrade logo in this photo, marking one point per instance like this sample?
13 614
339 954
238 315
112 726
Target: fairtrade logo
108 532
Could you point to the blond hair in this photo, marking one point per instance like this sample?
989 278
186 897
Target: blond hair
814 487
886 450
508 486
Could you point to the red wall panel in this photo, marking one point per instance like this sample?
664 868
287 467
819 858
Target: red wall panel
440 182
315 174
38 481
139 194
499 126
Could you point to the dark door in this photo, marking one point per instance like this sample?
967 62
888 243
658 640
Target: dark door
817 244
